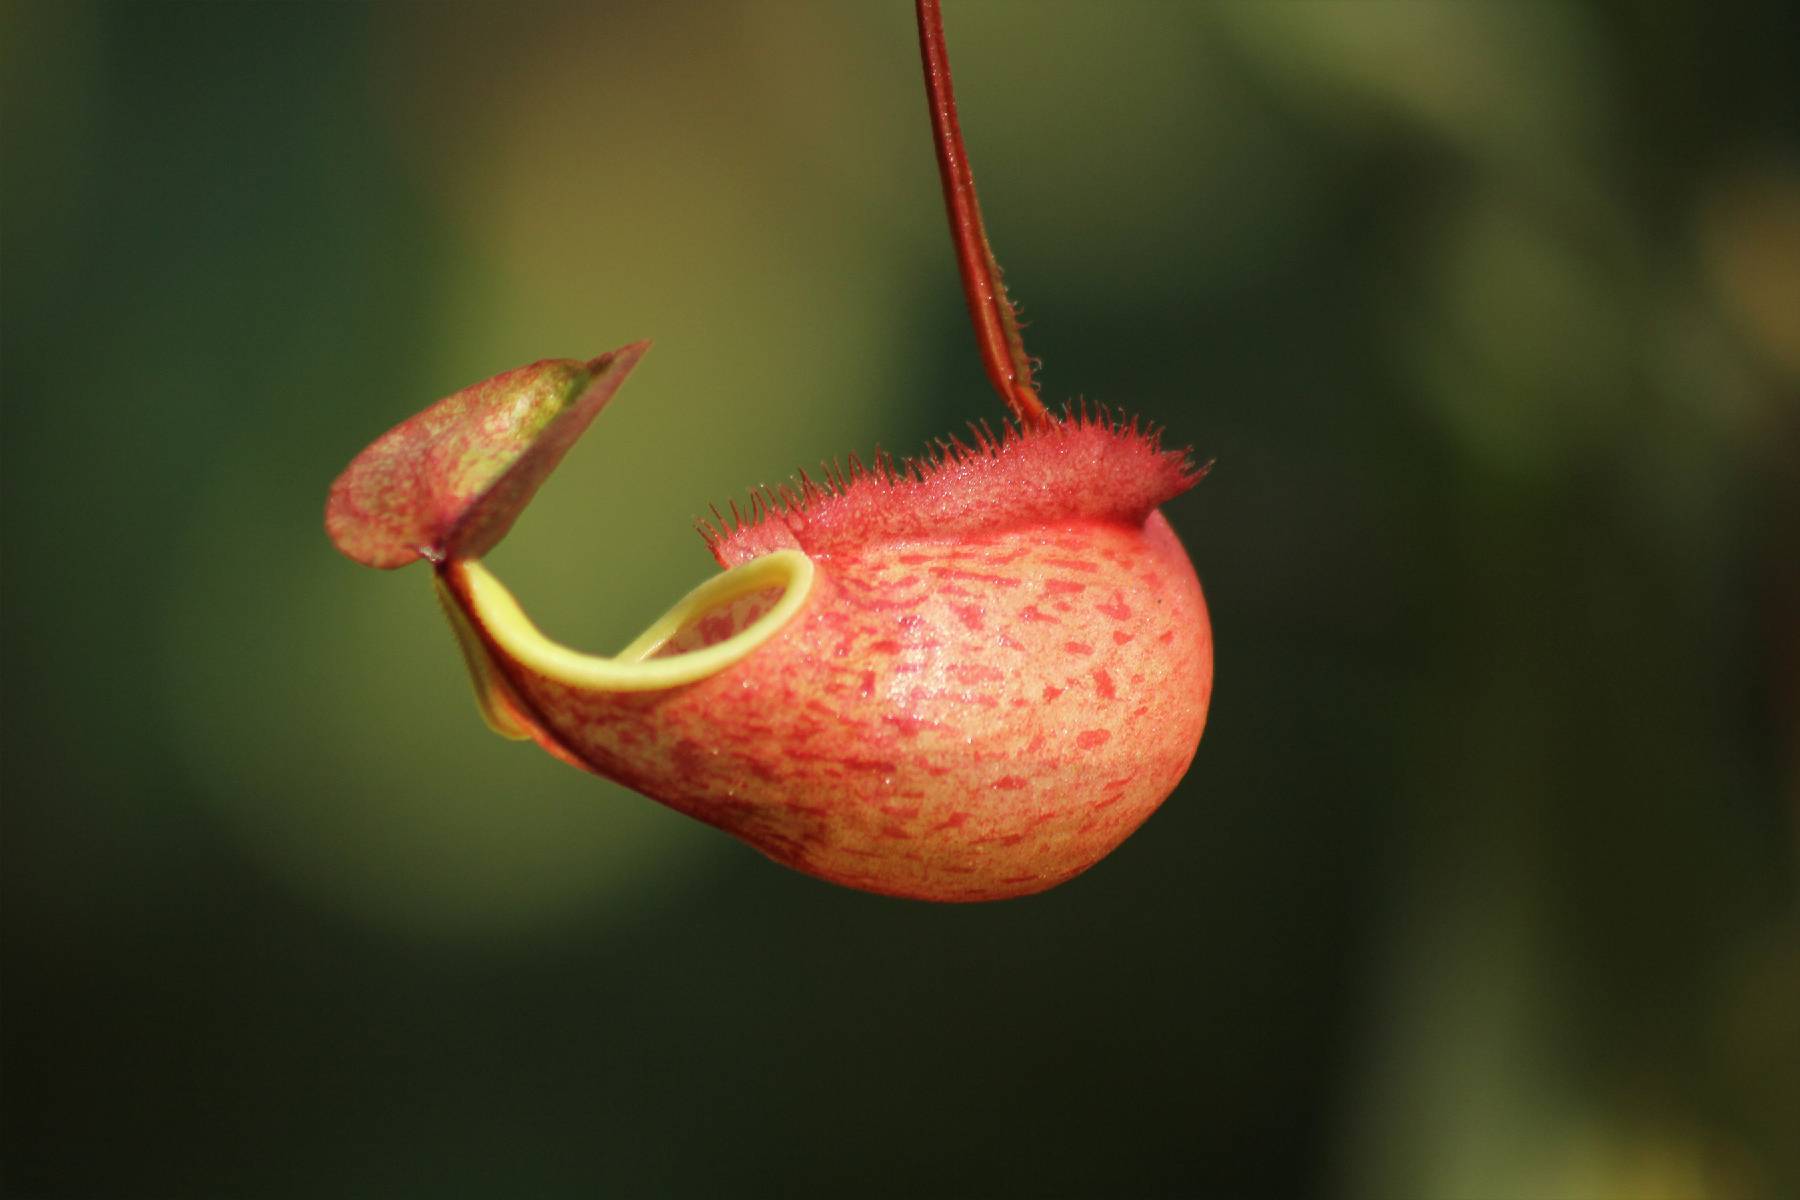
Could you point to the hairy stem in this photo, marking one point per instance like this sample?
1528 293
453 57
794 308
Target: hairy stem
996 323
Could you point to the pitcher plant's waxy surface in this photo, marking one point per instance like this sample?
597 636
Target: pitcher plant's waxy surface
964 677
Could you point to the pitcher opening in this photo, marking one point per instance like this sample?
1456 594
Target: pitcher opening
717 624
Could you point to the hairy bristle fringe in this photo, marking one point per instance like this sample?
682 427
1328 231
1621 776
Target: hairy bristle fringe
791 498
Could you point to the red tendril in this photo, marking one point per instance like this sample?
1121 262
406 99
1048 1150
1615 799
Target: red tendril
996 323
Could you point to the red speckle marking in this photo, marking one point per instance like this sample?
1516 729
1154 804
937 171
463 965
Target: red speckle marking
868 685
884 646
1051 691
896 833
1031 612
767 774
953 821
969 615
1166 636
1115 608
906 726
1092 738
1009 783
1104 685
1063 587
883 603
1078 648
1120 637
1002 581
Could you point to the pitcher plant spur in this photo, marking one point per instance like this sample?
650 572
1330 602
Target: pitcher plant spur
963 677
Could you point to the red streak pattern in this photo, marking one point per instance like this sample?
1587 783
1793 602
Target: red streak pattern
889 713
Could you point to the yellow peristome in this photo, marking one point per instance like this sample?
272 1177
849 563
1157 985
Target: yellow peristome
632 669
491 693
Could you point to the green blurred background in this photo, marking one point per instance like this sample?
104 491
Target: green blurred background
1483 883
